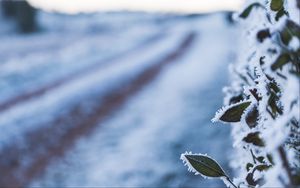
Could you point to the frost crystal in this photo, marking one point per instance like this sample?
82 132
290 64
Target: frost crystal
263 76
188 164
263 99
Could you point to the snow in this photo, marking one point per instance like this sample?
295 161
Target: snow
249 73
294 44
56 100
293 10
48 60
141 143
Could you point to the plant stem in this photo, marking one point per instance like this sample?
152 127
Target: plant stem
286 164
253 157
228 179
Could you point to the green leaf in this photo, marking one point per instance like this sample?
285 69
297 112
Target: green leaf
290 30
272 102
280 13
293 28
296 177
260 159
235 112
248 10
249 166
252 117
281 61
250 180
262 167
276 5
286 36
270 158
255 94
204 165
273 85
253 138
263 34
236 99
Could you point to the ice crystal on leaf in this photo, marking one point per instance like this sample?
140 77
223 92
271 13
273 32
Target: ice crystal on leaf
263 103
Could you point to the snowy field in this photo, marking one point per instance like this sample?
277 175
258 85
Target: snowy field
112 99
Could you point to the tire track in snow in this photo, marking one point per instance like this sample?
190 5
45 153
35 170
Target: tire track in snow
65 80
52 141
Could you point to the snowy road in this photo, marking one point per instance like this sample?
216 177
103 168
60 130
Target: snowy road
122 120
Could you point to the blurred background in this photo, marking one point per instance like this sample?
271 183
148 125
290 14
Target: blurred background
110 93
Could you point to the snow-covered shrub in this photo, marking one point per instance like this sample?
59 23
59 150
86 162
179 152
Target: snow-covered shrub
262 104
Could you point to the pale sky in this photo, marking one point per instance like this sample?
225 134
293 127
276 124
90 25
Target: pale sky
188 6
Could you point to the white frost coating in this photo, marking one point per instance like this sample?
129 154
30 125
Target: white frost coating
272 175
257 175
253 72
275 136
293 11
294 44
188 164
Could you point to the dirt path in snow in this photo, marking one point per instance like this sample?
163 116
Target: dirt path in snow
65 80
24 162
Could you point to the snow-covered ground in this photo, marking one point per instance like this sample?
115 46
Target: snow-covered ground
65 46
91 56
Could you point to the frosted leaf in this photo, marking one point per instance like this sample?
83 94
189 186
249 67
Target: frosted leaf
203 165
248 10
251 115
267 76
232 113
254 138
276 5
281 61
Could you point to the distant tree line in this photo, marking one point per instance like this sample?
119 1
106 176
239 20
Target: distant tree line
22 13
